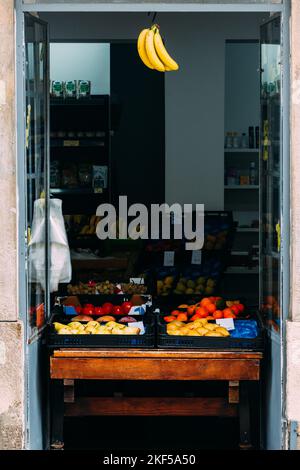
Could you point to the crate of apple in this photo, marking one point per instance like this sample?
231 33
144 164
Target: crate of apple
211 308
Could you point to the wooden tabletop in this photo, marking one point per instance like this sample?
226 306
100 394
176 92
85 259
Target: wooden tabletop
154 364
156 353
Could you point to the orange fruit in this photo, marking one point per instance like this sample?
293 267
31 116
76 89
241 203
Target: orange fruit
175 312
218 314
182 317
202 312
228 313
235 309
211 308
191 309
204 302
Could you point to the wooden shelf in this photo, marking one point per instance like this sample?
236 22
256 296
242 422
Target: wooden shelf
242 186
241 270
241 150
76 191
247 230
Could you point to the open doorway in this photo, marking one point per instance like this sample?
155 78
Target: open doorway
172 149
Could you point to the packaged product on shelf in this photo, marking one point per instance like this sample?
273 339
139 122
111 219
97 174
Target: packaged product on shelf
54 174
99 178
85 175
57 89
83 88
70 89
69 176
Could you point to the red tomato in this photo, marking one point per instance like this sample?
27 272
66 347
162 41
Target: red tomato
88 310
107 308
117 310
78 309
99 311
126 306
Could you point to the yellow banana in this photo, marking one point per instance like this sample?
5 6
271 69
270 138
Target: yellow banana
151 52
162 53
141 48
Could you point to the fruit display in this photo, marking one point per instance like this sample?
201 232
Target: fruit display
152 51
107 308
209 308
165 286
95 327
79 225
106 287
202 286
215 242
199 327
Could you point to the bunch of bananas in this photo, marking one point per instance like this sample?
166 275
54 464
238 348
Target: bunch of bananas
152 51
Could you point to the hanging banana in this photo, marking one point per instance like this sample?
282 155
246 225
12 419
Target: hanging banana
153 52
142 50
162 53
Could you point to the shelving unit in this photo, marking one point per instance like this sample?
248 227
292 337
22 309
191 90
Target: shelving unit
243 200
74 118
80 135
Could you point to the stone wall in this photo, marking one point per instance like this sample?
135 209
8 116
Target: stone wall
11 330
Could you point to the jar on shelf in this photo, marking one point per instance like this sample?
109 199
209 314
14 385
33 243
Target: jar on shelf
235 140
85 175
228 140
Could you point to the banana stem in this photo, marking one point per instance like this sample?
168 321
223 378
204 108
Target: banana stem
155 28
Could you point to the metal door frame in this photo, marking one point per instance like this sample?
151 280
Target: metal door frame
112 7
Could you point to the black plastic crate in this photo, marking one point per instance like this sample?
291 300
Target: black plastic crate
147 340
166 341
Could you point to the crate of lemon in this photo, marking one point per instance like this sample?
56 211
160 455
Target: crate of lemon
204 334
198 326
100 334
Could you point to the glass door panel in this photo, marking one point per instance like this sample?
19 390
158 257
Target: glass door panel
36 88
270 171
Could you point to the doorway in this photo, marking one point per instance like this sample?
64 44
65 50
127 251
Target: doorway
176 167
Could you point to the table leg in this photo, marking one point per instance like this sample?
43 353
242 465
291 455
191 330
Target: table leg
57 415
244 412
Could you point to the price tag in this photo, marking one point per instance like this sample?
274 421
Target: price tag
71 143
136 280
196 257
227 323
169 257
138 324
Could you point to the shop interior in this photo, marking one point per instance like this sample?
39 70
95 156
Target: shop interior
192 136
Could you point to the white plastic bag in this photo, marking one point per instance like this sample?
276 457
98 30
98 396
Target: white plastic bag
60 269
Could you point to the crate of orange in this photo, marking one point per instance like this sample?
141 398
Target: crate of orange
208 310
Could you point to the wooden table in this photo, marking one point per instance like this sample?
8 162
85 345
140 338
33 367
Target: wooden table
68 365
